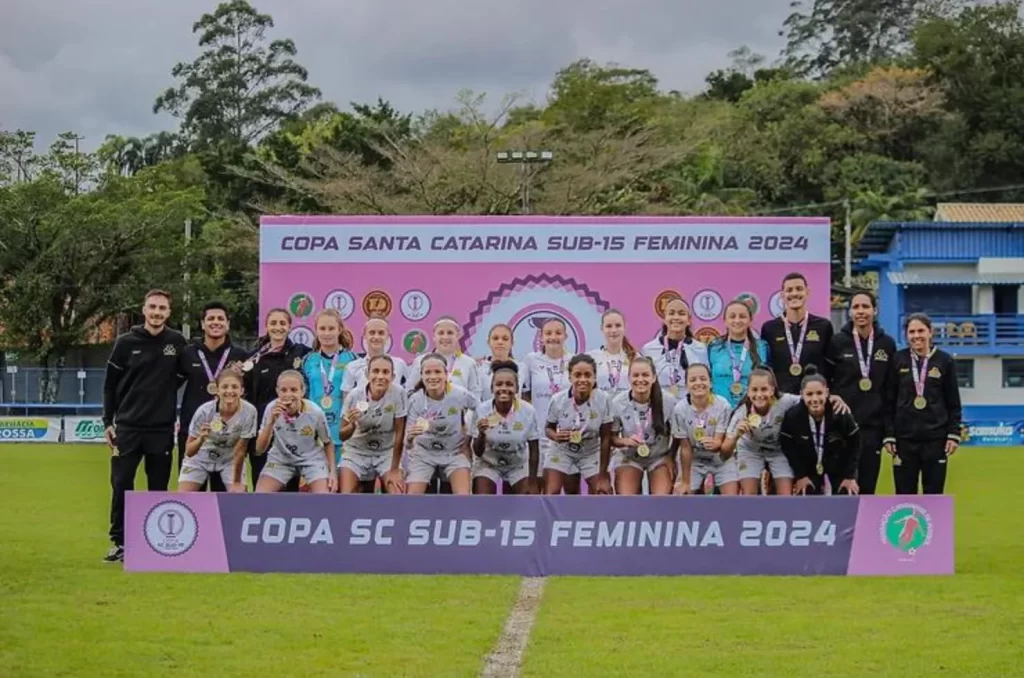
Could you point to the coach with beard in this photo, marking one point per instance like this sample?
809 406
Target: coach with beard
140 396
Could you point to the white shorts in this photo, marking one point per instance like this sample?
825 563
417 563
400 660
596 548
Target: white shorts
724 471
198 471
311 469
587 466
510 473
622 458
751 464
422 466
367 467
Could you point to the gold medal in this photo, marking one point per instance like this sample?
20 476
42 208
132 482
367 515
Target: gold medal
754 420
211 388
698 434
736 388
576 437
643 451
820 469
920 402
423 424
865 384
326 402
216 425
796 369
363 406
494 420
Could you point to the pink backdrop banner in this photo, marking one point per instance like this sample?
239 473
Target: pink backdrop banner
522 270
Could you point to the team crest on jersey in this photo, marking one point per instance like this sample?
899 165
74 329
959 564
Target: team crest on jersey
904 370
813 336
593 414
712 421
389 408
880 355
518 426
934 373
452 411
306 431
170 350
456 372
778 419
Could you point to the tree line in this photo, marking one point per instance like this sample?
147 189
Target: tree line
875 109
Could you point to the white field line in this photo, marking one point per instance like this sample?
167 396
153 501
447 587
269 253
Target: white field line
507 656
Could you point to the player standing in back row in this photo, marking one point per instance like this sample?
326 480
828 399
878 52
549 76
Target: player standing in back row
798 338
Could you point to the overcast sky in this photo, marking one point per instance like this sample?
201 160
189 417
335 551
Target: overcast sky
95 66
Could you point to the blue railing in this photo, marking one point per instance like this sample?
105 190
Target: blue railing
983 334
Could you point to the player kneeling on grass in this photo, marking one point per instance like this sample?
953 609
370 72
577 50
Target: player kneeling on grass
372 426
295 439
506 437
218 438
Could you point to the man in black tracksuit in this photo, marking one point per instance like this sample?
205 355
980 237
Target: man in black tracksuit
924 428
202 362
861 373
139 400
808 336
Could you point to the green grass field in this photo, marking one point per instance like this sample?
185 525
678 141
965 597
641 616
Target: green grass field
65 613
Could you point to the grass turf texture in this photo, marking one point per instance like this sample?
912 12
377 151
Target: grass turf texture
63 612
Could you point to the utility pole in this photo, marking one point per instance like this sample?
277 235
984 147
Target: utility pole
848 237
186 329
524 159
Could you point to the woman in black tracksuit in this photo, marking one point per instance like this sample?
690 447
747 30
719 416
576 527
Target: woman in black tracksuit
274 354
861 356
926 414
822 447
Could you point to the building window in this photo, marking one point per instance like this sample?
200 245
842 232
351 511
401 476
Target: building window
965 373
1013 373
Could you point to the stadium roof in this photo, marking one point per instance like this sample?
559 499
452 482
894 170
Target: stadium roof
879 233
959 212
944 278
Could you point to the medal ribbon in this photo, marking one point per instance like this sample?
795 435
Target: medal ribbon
919 377
579 419
819 438
737 365
641 423
616 374
328 379
795 351
212 376
865 364
673 359
553 384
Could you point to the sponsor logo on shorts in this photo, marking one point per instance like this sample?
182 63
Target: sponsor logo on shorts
171 528
906 527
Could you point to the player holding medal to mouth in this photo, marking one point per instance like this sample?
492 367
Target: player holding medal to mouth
675 349
614 357
699 422
435 442
373 426
579 423
798 338
860 357
295 438
547 375
928 414
218 438
643 433
506 436
499 341
734 355
376 333
821 445
325 368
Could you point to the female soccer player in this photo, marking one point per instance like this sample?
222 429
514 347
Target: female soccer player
734 355
547 374
461 367
614 357
699 422
274 354
675 349
821 446
499 341
506 436
641 421
325 368
928 413
860 357
296 440
218 438
373 426
435 441
579 424
376 333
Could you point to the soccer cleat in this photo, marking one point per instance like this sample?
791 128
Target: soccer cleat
115 555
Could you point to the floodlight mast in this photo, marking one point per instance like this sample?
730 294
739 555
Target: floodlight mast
524 159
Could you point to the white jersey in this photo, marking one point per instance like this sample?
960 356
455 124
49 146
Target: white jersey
300 438
461 372
445 418
710 421
668 363
588 418
765 437
218 448
632 418
375 429
483 377
544 378
356 374
612 371
507 444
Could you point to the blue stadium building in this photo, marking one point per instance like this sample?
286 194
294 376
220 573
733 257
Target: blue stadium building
965 269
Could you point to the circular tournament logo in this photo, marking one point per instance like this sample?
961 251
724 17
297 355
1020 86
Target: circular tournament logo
301 305
775 305
341 301
752 302
414 342
526 304
706 334
415 305
707 305
377 302
661 301
171 528
906 528
387 345
302 335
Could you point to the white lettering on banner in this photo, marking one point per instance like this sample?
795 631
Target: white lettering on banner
364 532
281 530
639 534
626 242
30 429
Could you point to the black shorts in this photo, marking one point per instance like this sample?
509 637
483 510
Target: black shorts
134 441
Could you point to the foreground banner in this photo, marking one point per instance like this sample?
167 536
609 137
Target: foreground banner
538 536
30 429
